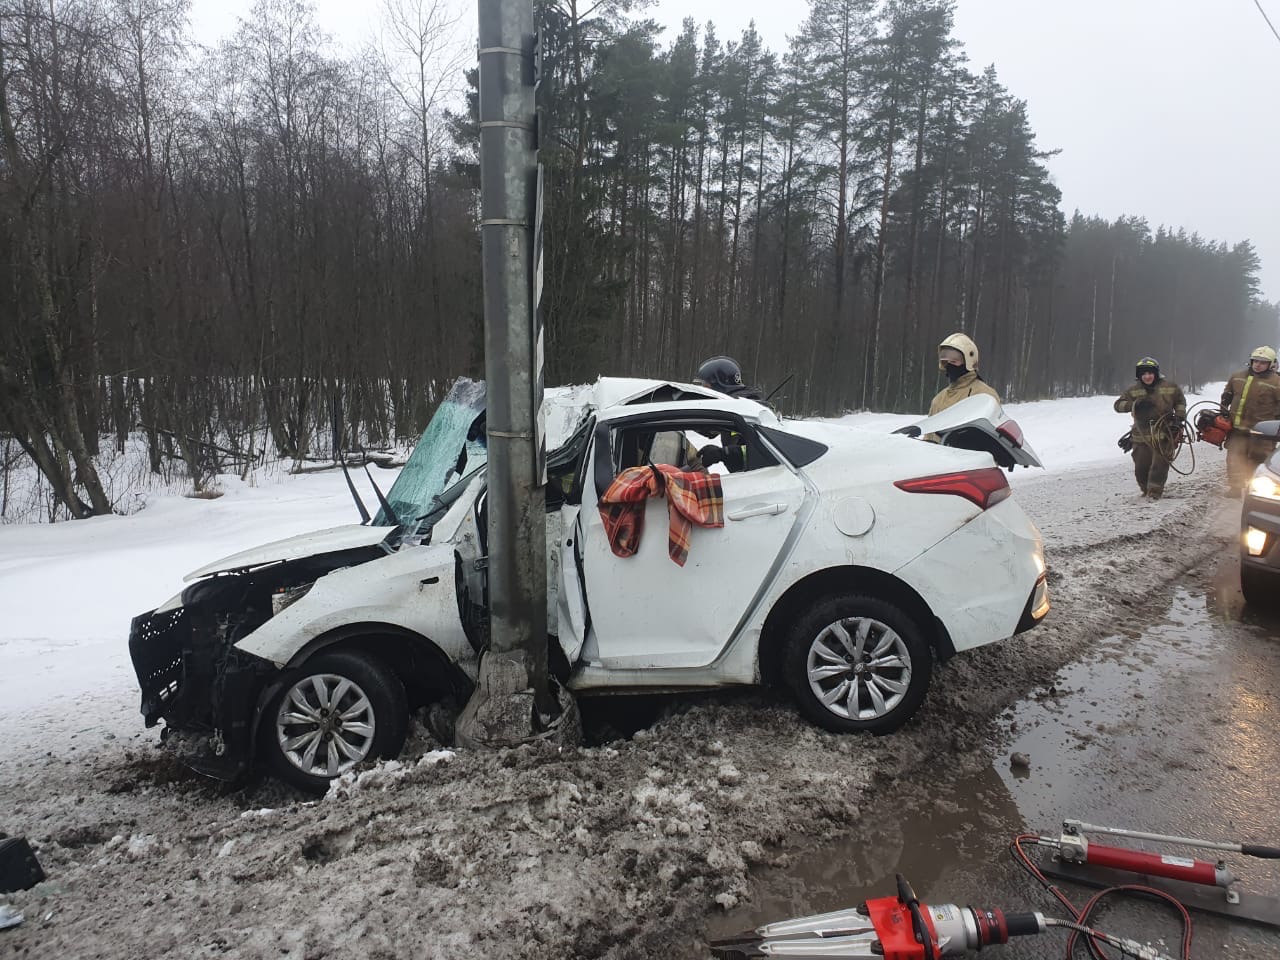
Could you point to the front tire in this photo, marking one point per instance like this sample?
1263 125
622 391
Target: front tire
857 664
336 711
1258 586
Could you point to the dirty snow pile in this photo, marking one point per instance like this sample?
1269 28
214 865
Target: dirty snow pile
619 849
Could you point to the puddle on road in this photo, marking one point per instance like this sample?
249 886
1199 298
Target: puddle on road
1097 754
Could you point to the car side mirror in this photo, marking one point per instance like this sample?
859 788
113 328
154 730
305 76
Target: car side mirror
911 430
1270 429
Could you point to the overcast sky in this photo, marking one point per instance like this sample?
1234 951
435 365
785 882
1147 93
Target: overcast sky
1167 109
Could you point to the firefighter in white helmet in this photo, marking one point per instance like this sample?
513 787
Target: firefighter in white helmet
1252 395
958 359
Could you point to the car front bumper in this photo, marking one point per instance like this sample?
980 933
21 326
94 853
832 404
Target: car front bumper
205 691
1260 533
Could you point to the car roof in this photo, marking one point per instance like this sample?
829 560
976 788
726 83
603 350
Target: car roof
610 392
694 399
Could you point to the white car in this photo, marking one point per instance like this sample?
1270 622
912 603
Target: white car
848 562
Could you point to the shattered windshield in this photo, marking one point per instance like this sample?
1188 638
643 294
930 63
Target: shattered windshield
447 450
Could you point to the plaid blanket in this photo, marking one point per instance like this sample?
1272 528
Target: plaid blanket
693 497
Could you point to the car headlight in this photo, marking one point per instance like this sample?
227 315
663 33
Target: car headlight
1265 485
284 597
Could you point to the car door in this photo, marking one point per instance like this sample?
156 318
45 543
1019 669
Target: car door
646 611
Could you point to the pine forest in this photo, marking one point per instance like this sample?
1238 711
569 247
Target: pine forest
270 241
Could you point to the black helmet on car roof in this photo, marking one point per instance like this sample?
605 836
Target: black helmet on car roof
720 373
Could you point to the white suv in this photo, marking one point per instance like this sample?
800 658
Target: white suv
848 561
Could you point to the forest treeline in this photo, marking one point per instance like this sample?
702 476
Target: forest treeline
271 238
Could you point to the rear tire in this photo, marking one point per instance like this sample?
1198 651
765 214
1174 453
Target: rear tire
857 664
335 712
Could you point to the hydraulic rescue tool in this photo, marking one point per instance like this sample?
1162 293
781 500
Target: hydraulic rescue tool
1212 427
902 928
1095 864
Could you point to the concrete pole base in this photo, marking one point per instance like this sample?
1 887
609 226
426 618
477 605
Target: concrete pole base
502 711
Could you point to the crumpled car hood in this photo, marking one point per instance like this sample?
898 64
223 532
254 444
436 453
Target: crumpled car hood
335 539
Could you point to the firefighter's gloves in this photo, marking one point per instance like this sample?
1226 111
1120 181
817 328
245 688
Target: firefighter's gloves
1144 409
710 454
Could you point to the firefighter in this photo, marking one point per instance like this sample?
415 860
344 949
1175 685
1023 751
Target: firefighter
1252 395
1159 407
958 359
724 375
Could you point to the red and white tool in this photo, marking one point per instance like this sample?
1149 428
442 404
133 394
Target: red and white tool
1087 861
902 928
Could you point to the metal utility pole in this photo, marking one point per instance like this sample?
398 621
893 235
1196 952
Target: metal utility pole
512 700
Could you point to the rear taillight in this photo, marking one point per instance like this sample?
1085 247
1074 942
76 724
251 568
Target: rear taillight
1011 432
983 488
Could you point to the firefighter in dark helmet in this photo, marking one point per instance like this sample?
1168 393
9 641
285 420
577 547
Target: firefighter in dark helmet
724 375
1252 395
1158 407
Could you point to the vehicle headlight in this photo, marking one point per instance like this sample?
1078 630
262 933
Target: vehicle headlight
287 596
1040 564
1265 485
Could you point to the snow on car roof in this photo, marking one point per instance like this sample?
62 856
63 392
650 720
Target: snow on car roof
612 391
616 396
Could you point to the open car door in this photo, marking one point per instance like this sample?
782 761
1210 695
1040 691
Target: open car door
644 612
979 423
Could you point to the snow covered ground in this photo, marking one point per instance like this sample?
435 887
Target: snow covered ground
600 851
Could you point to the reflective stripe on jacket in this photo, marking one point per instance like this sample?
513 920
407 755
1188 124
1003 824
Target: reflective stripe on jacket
1156 404
1251 397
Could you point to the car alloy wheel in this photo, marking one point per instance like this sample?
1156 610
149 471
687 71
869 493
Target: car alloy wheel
338 710
325 725
857 664
859 668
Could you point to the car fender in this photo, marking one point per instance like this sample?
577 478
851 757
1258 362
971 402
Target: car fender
412 589
979 579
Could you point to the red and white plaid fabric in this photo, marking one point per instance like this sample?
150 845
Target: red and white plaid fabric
693 497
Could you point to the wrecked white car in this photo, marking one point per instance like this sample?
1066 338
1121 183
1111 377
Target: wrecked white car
847 563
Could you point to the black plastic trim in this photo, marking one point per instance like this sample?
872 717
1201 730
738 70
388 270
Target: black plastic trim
799 451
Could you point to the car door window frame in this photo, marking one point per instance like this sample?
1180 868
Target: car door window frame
606 469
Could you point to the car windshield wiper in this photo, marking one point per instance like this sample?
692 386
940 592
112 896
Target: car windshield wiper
446 498
364 513
386 507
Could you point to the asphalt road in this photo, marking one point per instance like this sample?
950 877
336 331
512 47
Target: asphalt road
1173 730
